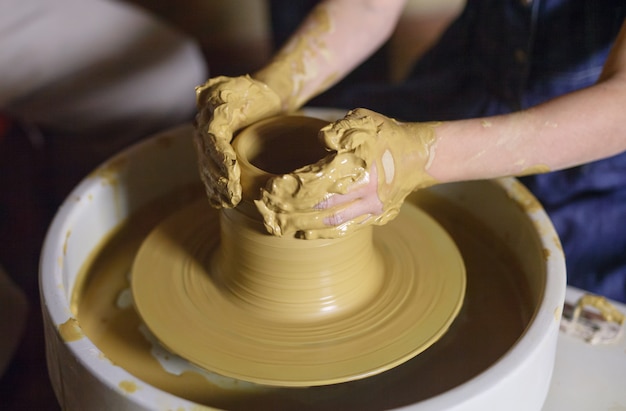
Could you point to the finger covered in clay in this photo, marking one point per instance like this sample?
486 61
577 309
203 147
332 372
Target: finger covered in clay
225 105
376 163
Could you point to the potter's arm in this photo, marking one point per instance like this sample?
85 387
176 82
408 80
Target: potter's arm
573 129
570 130
333 39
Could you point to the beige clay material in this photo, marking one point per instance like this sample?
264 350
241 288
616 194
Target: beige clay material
196 313
234 300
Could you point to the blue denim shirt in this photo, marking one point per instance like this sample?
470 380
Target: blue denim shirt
505 55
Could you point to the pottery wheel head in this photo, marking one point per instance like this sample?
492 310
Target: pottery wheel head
216 289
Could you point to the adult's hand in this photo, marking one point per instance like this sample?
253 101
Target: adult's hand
226 104
375 163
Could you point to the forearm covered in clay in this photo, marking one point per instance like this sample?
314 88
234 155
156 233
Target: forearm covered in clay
335 37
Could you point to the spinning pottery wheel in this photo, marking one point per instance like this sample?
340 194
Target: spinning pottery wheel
234 300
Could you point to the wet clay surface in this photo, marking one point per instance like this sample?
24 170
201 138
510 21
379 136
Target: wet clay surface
496 310
293 312
367 152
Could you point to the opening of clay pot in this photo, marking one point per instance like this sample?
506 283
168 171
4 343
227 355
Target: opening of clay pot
276 146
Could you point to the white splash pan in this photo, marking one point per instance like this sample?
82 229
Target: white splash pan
83 378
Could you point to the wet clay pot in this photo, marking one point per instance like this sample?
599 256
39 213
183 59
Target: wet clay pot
83 378
303 313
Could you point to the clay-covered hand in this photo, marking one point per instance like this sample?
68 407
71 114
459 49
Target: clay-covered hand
226 104
375 162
